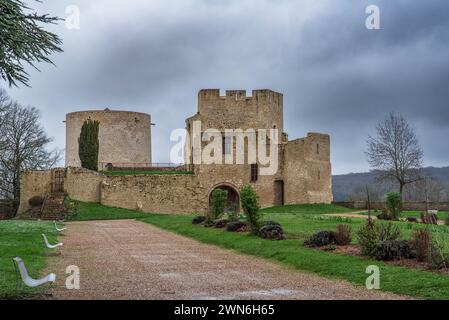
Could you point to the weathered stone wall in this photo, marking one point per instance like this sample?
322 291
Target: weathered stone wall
264 110
33 183
319 170
155 193
79 184
295 173
307 170
124 136
304 164
83 185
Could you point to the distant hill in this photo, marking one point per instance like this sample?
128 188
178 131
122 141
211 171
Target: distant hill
345 184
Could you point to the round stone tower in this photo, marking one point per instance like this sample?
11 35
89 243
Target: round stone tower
125 137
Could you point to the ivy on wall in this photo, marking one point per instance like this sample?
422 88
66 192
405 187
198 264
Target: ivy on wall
88 144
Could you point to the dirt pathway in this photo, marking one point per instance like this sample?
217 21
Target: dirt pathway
127 259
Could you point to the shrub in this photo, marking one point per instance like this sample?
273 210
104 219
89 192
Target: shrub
393 249
320 239
250 205
343 236
236 226
394 204
384 215
387 231
36 201
88 145
220 223
272 230
429 218
367 238
271 223
421 242
219 199
446 221
437 259
199 220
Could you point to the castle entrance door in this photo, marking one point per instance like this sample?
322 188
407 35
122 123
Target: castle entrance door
279 193
233 202
58 181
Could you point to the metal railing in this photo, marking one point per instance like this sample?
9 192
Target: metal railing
139 166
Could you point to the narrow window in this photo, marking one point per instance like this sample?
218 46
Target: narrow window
227 145
317 148
319 175
254 172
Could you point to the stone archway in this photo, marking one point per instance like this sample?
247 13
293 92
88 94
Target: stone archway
233 203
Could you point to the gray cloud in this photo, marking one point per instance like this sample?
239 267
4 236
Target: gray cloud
337 76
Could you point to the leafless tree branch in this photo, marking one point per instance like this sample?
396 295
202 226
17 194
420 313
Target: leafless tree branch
395 151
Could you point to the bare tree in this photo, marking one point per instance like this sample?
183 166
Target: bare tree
24 147
395 151
428 188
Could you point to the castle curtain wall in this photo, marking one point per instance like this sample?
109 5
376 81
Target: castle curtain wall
83 185
32 184
155 193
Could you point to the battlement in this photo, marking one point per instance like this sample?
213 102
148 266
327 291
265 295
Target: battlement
257 95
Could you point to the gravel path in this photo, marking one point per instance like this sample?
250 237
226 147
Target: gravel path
126 259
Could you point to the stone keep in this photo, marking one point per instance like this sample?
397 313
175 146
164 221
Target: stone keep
125 137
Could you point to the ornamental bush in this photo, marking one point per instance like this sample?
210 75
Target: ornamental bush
368 238
320 239
272 230
250 205
394 204
219 199
421 242
387 231
343 236
393 250
236 226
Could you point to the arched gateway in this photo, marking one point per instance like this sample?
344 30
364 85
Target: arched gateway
233 203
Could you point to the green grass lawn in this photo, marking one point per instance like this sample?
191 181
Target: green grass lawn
307 209
22 239
299 222
94 211
132 173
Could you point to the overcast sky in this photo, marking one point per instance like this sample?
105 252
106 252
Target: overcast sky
337 77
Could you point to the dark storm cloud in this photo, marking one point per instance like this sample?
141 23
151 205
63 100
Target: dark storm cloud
337 76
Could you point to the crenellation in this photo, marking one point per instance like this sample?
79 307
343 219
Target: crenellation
236 94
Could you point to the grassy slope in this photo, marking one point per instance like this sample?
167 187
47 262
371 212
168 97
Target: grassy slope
22 239
94 211
307 209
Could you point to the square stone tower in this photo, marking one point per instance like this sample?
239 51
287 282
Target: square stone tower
303 174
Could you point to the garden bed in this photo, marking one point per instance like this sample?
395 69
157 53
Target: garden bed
354 250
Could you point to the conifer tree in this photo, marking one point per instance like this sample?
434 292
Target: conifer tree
89 144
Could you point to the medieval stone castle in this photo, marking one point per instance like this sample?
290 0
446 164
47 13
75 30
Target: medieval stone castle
303 174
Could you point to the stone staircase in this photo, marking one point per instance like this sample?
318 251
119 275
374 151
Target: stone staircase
53 206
